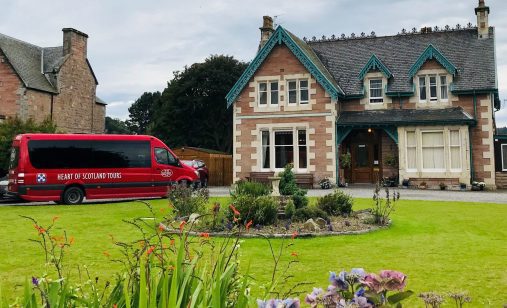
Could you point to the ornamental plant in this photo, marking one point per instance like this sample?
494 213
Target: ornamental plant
383 207
359 289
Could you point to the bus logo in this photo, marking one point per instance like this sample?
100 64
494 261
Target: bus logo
166 173
41 178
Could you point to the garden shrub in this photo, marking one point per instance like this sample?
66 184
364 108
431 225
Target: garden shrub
288 187
290 209
186 200
337 203
254 189
307 212
261 210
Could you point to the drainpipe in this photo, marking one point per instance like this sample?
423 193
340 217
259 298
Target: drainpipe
337 161
51 107
472 177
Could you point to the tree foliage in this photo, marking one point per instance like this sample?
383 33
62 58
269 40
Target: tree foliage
14 126
116 126
141 113
193 111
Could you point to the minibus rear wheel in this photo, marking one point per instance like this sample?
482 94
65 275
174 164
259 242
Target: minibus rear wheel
73 195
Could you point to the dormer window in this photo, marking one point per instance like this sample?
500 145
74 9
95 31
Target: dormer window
268 93
376 91
297 92
433 88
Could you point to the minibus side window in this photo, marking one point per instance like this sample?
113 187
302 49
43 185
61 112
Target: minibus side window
164 157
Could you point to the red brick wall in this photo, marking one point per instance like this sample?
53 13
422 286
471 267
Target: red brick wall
281 62
9 88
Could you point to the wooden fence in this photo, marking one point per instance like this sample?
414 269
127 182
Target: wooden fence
219 165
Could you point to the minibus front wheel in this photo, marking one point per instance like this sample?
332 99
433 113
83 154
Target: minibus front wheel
73 195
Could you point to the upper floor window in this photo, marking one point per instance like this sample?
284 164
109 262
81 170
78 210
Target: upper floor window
268 93
376 92
297 92
433 88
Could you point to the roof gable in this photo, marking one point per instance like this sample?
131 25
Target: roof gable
375 64
304 54
432 53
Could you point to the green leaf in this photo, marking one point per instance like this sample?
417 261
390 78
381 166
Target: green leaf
143 300
398 297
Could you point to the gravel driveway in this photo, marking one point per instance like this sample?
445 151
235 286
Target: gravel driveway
366 191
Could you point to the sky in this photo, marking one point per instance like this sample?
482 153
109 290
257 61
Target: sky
135 46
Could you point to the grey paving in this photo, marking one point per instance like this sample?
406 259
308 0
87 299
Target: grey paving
366 191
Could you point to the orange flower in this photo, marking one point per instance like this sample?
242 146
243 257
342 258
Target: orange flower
171 267
294 254
106 253
71 240
294 234
161 227
234 210
55 218
204 234
182 225
62 245
40 229
150 250
248 224
171 242
115 306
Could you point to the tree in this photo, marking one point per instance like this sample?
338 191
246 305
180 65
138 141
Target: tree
14 126
116 126
141 112
193 111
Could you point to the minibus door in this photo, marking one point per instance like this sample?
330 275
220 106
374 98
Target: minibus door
163 175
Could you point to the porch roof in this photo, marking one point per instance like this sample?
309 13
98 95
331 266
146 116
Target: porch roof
405 117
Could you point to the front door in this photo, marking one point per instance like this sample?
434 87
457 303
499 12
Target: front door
362 162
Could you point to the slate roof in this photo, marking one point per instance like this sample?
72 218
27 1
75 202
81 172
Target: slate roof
35 73
455 115
474 58
25 58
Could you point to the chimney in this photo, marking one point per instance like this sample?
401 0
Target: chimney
266 30
74 42
482 12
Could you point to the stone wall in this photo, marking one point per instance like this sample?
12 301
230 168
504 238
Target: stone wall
99 115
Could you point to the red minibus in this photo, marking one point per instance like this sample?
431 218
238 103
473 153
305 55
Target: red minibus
66 168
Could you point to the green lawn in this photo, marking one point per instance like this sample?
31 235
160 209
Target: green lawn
441 246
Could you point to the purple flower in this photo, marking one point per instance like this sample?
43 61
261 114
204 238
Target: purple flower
35 281
312 298
274 303
339 281
394 280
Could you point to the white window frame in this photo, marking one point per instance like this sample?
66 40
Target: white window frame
427 88
455 146
295 147
298 90
372 98
412 146
268 93
504 168
422 147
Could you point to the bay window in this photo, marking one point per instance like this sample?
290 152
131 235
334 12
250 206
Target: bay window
288 146
434 150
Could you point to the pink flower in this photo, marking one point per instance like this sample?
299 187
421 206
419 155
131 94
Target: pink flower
393 280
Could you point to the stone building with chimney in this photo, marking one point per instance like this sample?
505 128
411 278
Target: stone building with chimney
51 82
414 108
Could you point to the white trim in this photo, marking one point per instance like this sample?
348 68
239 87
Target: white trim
290 115
504 168
451 146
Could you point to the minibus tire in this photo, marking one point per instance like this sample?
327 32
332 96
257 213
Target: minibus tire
73 195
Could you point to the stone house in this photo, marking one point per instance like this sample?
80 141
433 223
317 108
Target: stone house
55 82
417 106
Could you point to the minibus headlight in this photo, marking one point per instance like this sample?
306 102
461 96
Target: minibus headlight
21 175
